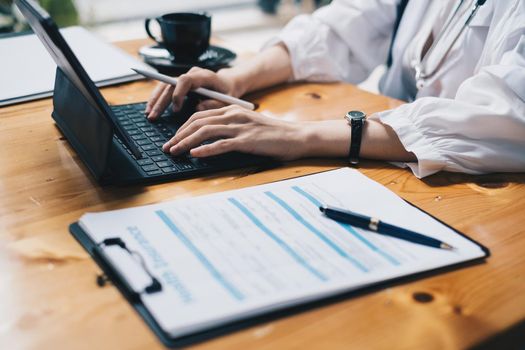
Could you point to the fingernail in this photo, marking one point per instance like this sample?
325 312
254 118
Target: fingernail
166 147
173 149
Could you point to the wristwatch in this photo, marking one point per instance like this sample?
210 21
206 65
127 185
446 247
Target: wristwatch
356 119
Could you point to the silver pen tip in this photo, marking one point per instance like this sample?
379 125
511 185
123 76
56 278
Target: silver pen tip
446 246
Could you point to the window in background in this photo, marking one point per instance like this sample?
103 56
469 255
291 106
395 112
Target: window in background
122 19
241 23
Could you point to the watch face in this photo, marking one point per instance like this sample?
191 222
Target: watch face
355 115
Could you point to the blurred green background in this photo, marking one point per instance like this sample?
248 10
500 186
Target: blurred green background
63 12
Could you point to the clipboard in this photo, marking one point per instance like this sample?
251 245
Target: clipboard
111 274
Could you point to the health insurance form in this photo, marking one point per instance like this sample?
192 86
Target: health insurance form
236 254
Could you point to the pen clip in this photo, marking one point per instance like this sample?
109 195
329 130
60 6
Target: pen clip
154 287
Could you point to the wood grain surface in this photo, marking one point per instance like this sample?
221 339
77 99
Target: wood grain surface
48 295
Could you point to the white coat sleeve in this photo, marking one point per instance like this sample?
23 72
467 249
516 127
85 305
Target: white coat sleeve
481 130
344 41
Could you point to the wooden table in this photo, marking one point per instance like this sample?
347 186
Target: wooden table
48 295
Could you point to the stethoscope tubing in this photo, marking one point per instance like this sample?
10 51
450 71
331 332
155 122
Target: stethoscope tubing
420 73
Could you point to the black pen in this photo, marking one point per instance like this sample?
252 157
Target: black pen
376 225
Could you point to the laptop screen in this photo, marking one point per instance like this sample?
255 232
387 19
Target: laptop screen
48 33
89 132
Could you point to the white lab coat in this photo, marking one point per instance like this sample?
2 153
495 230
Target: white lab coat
469 117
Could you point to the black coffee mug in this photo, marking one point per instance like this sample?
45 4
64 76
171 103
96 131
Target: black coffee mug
185 35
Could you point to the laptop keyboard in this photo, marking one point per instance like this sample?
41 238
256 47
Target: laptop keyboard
149 138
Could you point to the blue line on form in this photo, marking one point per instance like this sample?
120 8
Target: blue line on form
318 233
202 258
349 228
279 241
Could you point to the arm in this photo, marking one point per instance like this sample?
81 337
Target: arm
345 40
247 131
251 132
481 129
332 139
270 67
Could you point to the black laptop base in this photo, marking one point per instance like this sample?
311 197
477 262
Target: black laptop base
110 160
155 165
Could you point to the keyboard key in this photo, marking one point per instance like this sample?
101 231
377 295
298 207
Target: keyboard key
132 131
147 128
141 124
149 167
159 158
157 138
144 142
184 166
148 147
154 152
154 172
138 137
125 122
163 164
159 144
170 169
199 163
151 133
145 161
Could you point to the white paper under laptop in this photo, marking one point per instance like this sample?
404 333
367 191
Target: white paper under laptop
237 254
27 70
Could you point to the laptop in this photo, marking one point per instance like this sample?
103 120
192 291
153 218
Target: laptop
117 143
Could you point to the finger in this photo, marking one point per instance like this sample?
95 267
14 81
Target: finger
226 115
161 104
215 148
194 127
207 132
181 90
209 104
203 114
154 97
195 78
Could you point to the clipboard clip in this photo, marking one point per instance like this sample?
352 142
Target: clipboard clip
154 287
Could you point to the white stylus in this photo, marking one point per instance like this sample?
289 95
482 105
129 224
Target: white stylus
201 91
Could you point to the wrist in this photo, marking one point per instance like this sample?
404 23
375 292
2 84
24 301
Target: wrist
235 79
330 138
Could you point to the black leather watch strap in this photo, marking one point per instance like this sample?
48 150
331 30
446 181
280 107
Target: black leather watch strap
356 120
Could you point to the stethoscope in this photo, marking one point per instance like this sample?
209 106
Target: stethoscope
420 66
